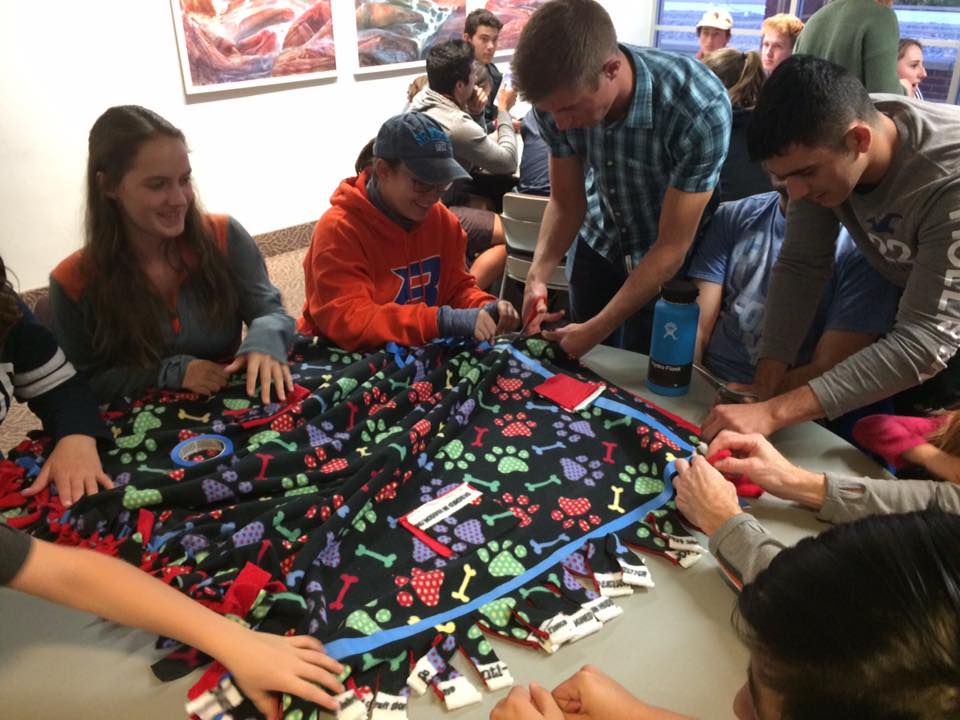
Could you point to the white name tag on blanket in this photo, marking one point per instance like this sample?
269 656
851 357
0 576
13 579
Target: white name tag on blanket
430 513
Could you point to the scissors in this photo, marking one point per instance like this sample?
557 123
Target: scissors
725 394
531 316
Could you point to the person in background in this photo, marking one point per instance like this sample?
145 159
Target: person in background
637 138
713 31
732 266
415 86
159 294
888 170
881 639
386 262
910 67
778 38
482 31
534 159
742 75
452 80
262 665
33 369
859 35
907 443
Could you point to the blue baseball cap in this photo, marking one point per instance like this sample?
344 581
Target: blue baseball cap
421 144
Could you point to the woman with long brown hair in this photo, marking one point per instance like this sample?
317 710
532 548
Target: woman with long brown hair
158 294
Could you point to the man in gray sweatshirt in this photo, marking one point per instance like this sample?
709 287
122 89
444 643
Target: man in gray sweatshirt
888 169
451 79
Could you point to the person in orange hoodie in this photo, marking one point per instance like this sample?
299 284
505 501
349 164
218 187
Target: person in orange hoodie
386 262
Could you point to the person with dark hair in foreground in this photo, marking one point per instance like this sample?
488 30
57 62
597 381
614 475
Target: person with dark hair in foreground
888 169
637 138
862 621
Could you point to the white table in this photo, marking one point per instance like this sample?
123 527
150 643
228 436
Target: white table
673 646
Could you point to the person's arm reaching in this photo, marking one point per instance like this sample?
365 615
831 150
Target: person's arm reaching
561 222
709 300
833 347
260 663
679 219
927 329
270 329
495 153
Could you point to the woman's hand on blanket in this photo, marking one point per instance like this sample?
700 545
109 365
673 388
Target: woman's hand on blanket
704 495
268 370
754 456
263 664
74 468
593 695
509 318
204 377
534 703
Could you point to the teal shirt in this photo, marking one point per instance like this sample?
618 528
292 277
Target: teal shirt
269 328
860 35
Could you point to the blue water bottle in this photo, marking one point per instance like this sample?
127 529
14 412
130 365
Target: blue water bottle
674 338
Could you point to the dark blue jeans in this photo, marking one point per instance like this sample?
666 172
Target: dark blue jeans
594 281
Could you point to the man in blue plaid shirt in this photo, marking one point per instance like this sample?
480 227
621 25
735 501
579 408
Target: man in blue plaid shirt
637 138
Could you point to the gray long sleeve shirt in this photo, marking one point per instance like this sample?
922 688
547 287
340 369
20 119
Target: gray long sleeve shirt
269 329
908 228
473 147
743 547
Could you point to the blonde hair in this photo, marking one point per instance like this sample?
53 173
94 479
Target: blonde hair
785 24
741 74
947 436
416 86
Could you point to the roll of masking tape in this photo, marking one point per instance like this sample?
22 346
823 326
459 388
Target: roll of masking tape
208 447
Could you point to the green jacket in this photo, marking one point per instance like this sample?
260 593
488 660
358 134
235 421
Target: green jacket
860 35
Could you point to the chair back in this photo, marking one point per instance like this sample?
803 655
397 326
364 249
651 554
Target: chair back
521 235
524 207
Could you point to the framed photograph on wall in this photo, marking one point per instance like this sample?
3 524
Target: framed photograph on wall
514 15
235 44
398 34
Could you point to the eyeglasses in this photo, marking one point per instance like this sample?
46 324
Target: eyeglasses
422 188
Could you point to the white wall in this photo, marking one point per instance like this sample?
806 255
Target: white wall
269 157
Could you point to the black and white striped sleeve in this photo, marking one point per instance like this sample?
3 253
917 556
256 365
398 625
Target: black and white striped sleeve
45 379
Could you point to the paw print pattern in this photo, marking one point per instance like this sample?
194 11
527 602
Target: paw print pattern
515 426
509 388
325 435
655 440
591 413
454 455
644 481
566 428
521 507
518 369
539 348
461 412
366 515
376 431
573 511
582 468
501 558
435 489
378 401
508 459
